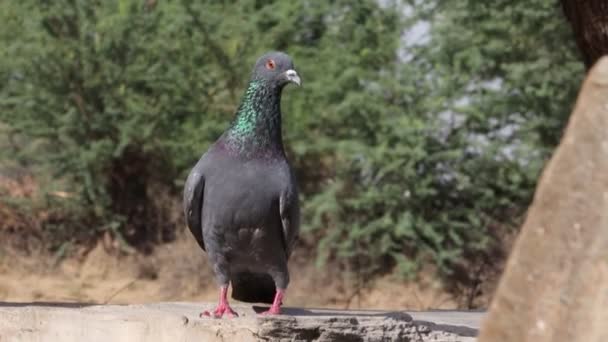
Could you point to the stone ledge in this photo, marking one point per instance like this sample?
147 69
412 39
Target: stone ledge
177 322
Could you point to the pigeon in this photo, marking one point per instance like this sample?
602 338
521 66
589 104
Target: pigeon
241 198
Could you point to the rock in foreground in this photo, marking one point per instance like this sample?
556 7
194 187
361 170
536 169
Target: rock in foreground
179 322
555 286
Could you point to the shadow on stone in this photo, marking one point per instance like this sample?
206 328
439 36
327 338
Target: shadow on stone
46 304
459 330
287 311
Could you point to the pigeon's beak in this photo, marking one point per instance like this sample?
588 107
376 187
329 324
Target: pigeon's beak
292 76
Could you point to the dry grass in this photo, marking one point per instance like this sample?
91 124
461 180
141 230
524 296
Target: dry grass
178 271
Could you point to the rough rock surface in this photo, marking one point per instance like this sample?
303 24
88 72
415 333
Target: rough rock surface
179 322
555 286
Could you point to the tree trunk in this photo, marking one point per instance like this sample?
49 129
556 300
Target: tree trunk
589 20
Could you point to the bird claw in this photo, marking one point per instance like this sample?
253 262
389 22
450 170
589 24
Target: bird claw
219 312
272 311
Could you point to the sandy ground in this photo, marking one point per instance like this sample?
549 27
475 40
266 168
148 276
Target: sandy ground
178 271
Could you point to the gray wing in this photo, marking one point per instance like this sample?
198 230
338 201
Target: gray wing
290 215
194 190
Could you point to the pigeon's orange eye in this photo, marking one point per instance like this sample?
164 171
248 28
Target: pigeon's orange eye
270 64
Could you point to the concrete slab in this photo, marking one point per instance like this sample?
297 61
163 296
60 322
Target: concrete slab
178 322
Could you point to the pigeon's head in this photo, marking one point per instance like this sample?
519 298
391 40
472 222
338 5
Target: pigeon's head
276 68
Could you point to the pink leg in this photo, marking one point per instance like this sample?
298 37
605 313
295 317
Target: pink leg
275 308
222 307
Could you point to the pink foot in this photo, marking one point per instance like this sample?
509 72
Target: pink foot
222 307
220 311
275 308
272 311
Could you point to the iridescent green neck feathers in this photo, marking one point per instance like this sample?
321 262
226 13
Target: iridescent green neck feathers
257 125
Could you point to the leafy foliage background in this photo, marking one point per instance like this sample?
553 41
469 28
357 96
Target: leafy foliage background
408 151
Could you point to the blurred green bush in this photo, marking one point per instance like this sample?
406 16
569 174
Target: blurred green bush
417 137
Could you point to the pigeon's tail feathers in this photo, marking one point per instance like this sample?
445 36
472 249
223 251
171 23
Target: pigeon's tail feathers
253 287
